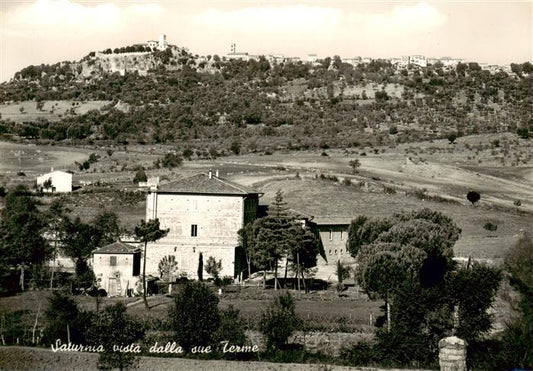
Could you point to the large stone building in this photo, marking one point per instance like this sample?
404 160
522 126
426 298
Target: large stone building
203 214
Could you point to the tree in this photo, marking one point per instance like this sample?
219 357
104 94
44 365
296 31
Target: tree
407 261
65 321
354 164
115 330
21 242
168 268
140 176
451 137
515 345
79 242
148 232
201 267
195 316
279 321
523 133
473 197
56 217
303 251
231 327
342 272
106 227
213 268
47 184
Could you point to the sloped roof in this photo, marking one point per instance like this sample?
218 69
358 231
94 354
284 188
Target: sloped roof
203 184
117 248
332 220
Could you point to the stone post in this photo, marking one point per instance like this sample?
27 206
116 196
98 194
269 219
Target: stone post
452 354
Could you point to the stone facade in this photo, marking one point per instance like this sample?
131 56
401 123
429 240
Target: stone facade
203 214
117 268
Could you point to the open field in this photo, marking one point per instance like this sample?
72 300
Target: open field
434 174
52 110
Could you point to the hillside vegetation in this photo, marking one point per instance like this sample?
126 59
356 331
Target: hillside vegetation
248 106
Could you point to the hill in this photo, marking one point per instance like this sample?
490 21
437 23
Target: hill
238 106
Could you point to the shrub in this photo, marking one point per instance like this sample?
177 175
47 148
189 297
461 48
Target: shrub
140 176
473 197
279 321
389 190
195 316
112 328
213 267
523 133
231 328
171 160
490 226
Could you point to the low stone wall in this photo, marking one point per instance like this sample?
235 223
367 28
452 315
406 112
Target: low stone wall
326 342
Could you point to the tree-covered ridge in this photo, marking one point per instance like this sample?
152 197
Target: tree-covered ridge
186 98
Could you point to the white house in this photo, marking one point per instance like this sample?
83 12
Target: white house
55 182
203 214
117 268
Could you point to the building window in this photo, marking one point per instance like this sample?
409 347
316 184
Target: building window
194 230
195 205
112 261
330 235
341 235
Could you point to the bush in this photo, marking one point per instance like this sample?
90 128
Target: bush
473 197
231 328
279 321
195 316
140 176
114 327
171 160
490 226
523 133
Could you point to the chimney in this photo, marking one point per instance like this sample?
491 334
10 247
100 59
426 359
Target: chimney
216 173
210 174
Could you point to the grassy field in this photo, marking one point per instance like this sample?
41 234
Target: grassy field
434 174
51 110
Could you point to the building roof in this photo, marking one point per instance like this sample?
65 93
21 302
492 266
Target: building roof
204 184
117 248
331 221
56 172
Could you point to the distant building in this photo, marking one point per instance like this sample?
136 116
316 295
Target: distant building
233 54
312 58
160 44
55 182
418 60
275 58
450 62
353 61
117 268
203 214
333 234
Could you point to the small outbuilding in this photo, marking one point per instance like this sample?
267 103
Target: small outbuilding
117 268
55 182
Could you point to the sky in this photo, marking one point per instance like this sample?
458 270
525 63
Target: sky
50 31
